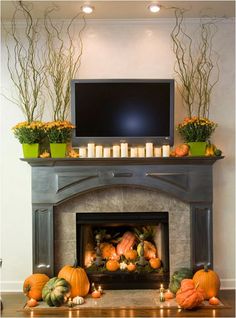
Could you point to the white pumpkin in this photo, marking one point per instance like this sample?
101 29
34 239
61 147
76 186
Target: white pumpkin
78 300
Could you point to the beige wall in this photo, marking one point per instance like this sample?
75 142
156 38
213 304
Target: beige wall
122 50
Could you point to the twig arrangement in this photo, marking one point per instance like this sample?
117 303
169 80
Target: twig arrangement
196 66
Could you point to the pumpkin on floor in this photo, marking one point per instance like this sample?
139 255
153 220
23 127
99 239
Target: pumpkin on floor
56 291
189 295
77 278
177 277
33 285
207 280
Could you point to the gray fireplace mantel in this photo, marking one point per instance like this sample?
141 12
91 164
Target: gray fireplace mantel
57 180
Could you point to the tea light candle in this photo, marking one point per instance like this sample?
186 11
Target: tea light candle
165 151
96 294
149 149
100 289
82 152
91 150
141 152
162 298
107 152
98 151
116 151
133 152
124 149
157 151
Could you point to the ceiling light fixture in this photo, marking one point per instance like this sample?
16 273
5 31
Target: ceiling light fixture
154 8
87 9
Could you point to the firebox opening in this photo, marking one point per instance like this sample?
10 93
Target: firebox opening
124 250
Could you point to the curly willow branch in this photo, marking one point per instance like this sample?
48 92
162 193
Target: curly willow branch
63 61
197 69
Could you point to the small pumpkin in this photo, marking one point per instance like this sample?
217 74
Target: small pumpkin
181 150
214 301
189 295
127 241
77 278
78 300
34 284
131 255
112 265
56 291
150 250
155 263
108 250
207 280
96 294
32 302
131 267
168 295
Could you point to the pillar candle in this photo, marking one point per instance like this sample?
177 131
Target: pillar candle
98 151
141 152
133 152
165 151
116 151
107 152
82 152
91 150
149 149
124 149
157 151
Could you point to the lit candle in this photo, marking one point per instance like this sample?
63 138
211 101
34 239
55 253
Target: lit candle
100 289
82 152
157 151
96 294
98 151
133 152
162 288
214 301
116 151
149 149
162 298
165 151
141 152
91 150
107 152
124 149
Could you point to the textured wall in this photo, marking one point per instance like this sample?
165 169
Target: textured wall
123 199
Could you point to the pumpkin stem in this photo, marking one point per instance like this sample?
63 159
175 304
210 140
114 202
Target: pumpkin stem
196 286
205 268
75 263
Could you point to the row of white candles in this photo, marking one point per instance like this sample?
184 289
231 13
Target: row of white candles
122 151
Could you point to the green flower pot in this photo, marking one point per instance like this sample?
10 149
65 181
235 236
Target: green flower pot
197 149
58 150
30 150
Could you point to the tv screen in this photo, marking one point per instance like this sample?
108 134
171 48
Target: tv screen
110 111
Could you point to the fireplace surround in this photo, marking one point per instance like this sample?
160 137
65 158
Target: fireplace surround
56 182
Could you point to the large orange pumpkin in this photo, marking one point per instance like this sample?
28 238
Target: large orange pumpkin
77 278
33 285
207 280
189 295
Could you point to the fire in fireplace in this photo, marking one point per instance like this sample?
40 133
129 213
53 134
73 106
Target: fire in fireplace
124 250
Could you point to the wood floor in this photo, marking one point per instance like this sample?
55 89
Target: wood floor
13 302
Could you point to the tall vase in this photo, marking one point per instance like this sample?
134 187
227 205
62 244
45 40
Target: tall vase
58 150
197 149
30 150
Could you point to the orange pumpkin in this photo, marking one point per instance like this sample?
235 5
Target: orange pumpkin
131 255
155 263
131 267
214 301
108 250
112 265
32 302
181 150
127 241
77 278
189 295
33 285
207 280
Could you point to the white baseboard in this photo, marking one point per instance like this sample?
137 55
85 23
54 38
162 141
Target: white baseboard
16 286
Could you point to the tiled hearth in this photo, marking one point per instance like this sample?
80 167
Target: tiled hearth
123 199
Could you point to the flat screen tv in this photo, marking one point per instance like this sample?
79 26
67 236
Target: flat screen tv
113 111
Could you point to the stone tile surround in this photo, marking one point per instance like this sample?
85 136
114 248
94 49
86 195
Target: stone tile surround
123 199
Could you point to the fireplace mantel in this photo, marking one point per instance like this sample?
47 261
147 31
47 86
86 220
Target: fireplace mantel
56 180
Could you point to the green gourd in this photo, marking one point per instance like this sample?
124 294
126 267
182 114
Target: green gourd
56 291
177 278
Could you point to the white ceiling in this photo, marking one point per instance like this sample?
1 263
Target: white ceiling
108 9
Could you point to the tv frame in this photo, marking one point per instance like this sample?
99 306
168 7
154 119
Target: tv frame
109 141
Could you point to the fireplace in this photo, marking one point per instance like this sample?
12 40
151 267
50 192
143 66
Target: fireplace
62 188
105 237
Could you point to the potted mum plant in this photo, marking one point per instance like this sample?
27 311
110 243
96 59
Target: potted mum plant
196 132
30 135
59 134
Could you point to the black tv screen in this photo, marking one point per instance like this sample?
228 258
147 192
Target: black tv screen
109 111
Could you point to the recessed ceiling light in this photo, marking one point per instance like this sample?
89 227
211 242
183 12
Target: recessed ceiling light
87 9
154 8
